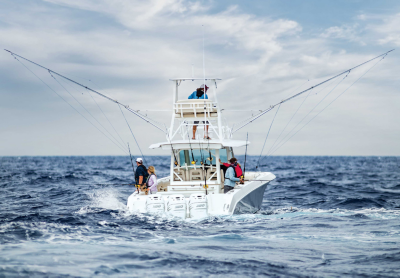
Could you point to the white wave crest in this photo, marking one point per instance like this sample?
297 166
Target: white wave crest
104 199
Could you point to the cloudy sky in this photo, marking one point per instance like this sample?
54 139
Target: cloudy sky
263 50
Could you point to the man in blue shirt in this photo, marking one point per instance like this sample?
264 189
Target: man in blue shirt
141 174
199 94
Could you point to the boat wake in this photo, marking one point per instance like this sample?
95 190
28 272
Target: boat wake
104 199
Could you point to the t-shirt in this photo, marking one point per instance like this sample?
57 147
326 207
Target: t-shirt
152 183
194 96
141 171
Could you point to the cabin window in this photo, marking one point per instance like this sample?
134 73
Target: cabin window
185 156
223 155
204 156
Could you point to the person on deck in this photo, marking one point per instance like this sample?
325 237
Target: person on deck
238 168
152 180
199 94
230 176
141 175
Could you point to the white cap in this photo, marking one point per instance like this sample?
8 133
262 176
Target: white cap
139 159
202 86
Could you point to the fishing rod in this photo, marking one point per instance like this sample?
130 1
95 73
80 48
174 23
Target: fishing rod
302 92
203 165
210 158
113 184
148 120
137 144
172 148
190 145
133 169
257 180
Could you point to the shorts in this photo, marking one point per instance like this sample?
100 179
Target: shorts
197 122
227 188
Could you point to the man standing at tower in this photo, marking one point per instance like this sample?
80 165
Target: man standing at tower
200 94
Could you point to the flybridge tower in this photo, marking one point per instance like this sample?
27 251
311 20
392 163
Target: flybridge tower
206 112
195 163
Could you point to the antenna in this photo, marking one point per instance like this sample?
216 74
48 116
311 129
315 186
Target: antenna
205 91
204 66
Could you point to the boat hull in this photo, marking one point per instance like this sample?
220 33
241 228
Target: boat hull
252 202
243 199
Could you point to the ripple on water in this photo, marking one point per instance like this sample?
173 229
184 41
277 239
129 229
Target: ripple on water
322 216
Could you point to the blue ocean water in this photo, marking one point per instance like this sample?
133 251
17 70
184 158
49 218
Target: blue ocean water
321 217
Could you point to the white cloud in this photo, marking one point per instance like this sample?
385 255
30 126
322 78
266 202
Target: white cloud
389 30
343 32
133 47
368 28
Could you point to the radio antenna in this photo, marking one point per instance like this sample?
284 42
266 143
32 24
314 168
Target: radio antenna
204 65
205 91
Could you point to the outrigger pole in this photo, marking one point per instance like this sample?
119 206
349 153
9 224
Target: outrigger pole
148 120
302 92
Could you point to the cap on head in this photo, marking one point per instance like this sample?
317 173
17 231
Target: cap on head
139 159
202 86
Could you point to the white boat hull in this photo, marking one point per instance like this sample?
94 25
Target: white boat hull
243 199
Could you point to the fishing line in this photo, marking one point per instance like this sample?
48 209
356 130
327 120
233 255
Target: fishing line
148 120
86 110
331 102
68 103
302 92
295 115
105 115
298 87
258 163
258 110
283 139
90 94
132 134
288 122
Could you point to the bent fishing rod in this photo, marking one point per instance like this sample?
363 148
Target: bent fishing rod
302 92
148 120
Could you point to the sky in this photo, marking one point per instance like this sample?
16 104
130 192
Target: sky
263 51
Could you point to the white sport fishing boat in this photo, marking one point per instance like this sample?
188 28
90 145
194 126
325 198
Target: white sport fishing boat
195 186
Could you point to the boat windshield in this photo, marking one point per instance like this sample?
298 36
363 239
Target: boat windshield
185 156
